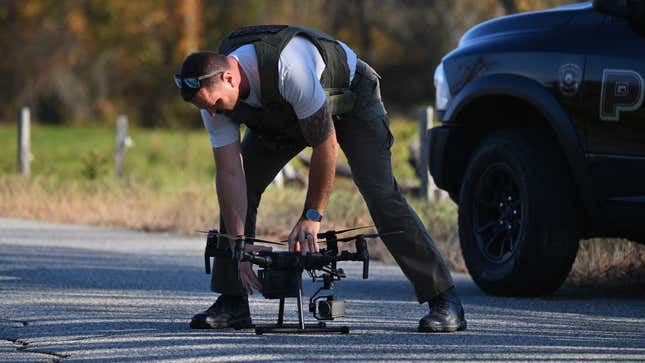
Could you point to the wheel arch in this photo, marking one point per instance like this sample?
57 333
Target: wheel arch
502 98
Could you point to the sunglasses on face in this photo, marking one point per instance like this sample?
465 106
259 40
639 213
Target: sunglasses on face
193 82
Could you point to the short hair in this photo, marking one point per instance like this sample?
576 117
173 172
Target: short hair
197 64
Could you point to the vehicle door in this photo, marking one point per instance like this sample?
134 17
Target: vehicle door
615 121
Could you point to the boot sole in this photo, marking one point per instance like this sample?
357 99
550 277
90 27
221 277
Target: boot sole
241 323
442 328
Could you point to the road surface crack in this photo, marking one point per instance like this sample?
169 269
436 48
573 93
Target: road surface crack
23 323
22 345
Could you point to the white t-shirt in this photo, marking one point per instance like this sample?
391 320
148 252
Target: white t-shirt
299 69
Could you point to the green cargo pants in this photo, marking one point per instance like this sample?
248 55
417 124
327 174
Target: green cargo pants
365 138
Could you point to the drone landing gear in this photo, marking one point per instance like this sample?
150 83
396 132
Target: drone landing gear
301 327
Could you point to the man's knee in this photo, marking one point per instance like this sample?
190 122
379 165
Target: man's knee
375 188
390 205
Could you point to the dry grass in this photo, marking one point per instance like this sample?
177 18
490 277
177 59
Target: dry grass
181 212
611 263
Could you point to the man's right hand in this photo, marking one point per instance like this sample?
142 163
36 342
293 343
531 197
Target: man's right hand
248 277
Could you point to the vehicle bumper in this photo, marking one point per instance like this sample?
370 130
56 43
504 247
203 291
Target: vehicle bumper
444 159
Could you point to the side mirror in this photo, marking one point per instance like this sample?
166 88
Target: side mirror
630 10
617 8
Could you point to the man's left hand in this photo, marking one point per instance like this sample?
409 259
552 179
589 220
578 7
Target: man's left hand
304 237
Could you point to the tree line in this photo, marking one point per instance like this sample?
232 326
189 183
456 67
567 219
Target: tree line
85 61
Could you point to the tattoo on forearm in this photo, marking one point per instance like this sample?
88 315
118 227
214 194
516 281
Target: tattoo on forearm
317 127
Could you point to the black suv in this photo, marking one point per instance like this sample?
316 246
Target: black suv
542 139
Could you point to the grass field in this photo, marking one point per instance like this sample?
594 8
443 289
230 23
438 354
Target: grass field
160 160
168 185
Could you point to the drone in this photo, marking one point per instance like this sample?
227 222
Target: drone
281 274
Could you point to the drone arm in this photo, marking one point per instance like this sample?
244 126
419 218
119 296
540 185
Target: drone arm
366 268
207 264
212 250
262 261
235 254
361 249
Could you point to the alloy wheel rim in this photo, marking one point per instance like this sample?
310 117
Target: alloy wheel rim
497 213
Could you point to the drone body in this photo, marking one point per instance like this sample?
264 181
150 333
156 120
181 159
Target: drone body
281 274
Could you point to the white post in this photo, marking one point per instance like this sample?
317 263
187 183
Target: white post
121 143
24 136
425 123
288 173
428 187
279 179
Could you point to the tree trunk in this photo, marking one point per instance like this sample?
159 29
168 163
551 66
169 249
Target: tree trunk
510 7
191 10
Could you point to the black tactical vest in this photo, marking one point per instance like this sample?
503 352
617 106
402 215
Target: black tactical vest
276 118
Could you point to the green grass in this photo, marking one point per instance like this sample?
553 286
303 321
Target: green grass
161 160
168 185
170 170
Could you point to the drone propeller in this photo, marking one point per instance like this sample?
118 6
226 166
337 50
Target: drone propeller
329 233
323 236
371 235
346 230
246 238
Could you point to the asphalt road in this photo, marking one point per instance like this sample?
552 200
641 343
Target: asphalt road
74 293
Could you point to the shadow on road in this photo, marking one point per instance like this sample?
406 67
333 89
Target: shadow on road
78 268
92 304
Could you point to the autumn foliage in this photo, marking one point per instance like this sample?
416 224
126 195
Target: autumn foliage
85 61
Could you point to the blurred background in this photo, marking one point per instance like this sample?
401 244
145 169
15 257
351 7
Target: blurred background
79 64
84 61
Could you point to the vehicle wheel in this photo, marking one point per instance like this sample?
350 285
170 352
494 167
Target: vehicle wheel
516 215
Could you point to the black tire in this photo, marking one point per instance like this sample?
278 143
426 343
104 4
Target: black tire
525 245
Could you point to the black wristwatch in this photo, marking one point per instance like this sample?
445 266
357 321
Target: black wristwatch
312 215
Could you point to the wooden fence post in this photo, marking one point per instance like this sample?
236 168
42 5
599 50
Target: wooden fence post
24 136
121 143
425 122
289 174
279 179
428 189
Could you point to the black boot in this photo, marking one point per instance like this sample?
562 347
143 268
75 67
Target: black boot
446 314
227 312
